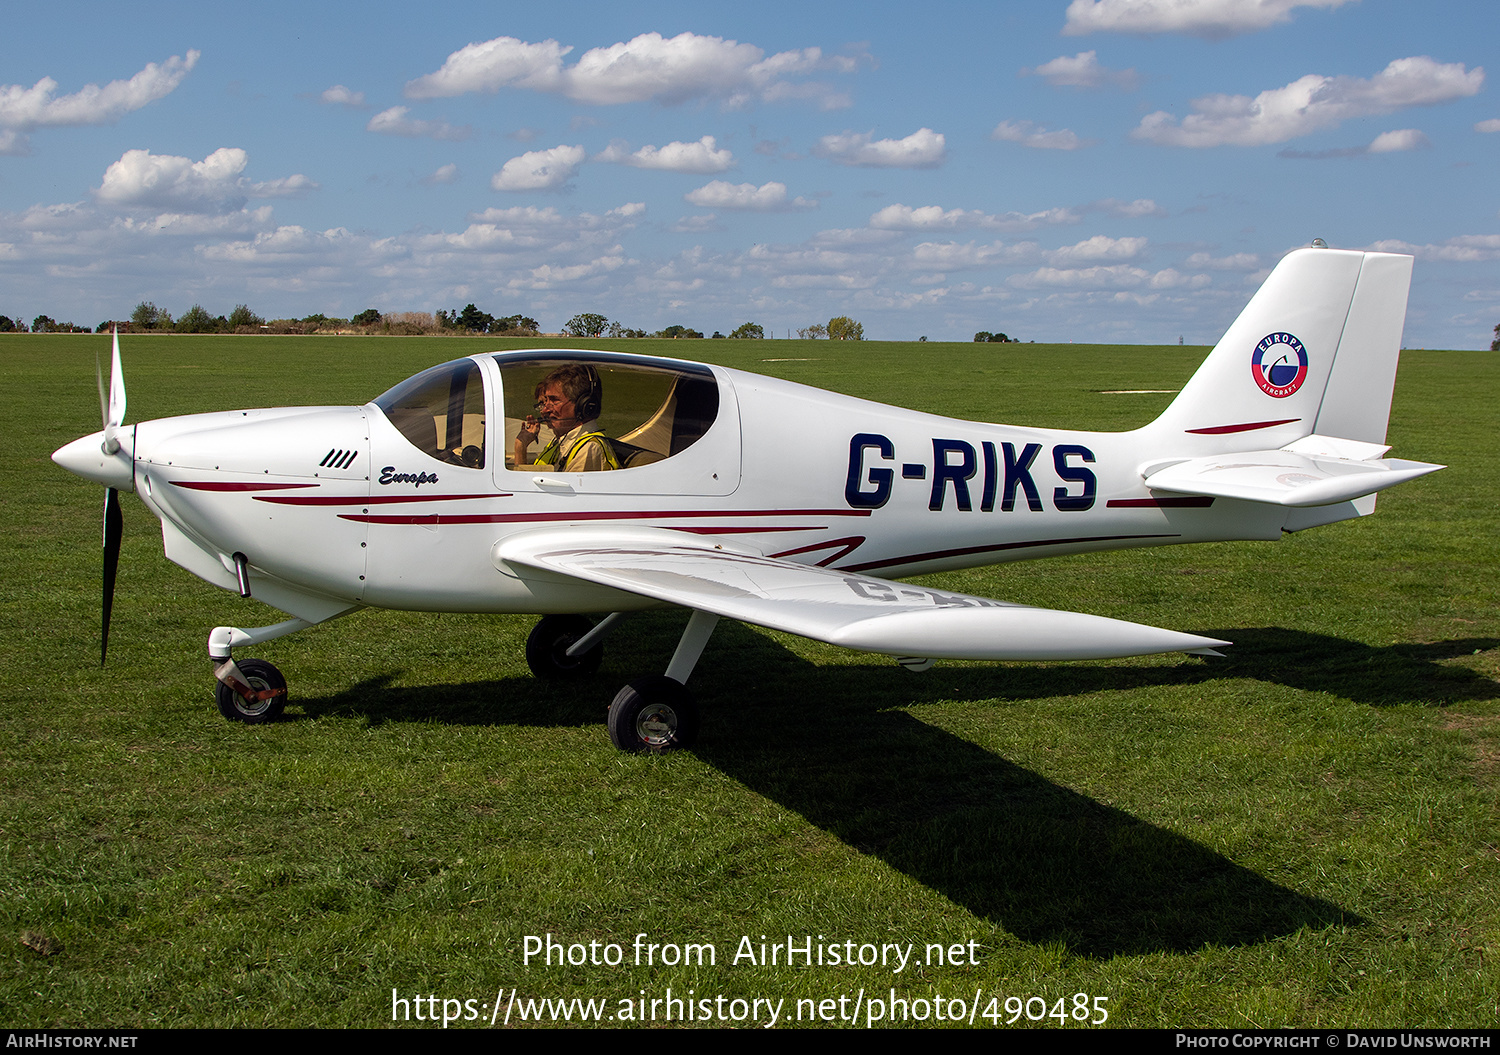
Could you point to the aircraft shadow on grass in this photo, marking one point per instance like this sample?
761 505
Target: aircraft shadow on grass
1048 864
1379 676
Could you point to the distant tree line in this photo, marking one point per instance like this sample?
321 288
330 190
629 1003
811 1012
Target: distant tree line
592 324
40 324
838 328
472 320
148 318
986 335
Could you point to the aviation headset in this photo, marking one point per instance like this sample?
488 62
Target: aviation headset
590 404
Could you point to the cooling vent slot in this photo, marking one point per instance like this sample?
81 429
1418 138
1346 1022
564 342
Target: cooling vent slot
337 459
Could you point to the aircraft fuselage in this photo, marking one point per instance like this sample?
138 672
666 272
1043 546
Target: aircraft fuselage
333 507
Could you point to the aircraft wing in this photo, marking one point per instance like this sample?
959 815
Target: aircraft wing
842 608
1313 471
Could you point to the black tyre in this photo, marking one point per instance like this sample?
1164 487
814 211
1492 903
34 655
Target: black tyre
547 648
263 678
653 714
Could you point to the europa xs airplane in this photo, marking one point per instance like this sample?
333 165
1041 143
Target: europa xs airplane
743 496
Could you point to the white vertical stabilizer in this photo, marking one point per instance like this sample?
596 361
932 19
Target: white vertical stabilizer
1315 350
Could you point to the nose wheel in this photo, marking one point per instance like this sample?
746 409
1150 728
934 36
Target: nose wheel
259 697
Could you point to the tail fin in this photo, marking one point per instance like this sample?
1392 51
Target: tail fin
1314 352
1297 394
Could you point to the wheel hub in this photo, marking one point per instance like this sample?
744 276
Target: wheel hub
259 703
656 725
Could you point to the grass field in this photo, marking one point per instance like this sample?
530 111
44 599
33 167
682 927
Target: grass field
1302 833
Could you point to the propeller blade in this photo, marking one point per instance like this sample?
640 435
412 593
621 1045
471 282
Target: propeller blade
114 412
113 529
103 391
116 384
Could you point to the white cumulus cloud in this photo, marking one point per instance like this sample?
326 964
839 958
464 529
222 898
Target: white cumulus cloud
1213 19
548 276
702 157
37 106
942 257
504 62
649 67
338 95
1030 135
24 109
539 169
285 245
933 218
1116 276
1233 262
1490 125
527 237
1098 248
769 197
179 225
1400 139
1385 143
394 122
698 224
1464 248
1309 104
1084 70
924 148
165 181
924 218
285 187
1171 278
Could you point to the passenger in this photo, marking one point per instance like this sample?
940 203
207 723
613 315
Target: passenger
569 401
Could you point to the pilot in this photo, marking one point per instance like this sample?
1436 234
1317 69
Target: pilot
568 401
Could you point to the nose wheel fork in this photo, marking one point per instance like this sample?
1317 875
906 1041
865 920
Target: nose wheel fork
250 690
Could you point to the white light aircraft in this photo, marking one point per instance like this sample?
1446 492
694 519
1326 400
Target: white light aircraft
748 497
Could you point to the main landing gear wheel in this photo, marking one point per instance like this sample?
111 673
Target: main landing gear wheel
653 714
263 679
547 648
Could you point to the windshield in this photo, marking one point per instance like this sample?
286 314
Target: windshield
441 412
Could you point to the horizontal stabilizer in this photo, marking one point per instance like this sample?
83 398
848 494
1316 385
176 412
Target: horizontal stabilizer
841 608
1313 471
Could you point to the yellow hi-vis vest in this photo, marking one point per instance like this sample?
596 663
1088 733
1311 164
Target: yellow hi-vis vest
552 453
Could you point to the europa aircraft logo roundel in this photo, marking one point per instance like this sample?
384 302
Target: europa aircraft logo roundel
1279 364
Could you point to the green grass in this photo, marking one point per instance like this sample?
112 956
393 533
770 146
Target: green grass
1303 833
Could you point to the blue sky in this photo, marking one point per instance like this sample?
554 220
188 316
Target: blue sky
1093 171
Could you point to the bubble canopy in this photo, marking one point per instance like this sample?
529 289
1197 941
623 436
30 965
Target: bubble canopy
647 410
